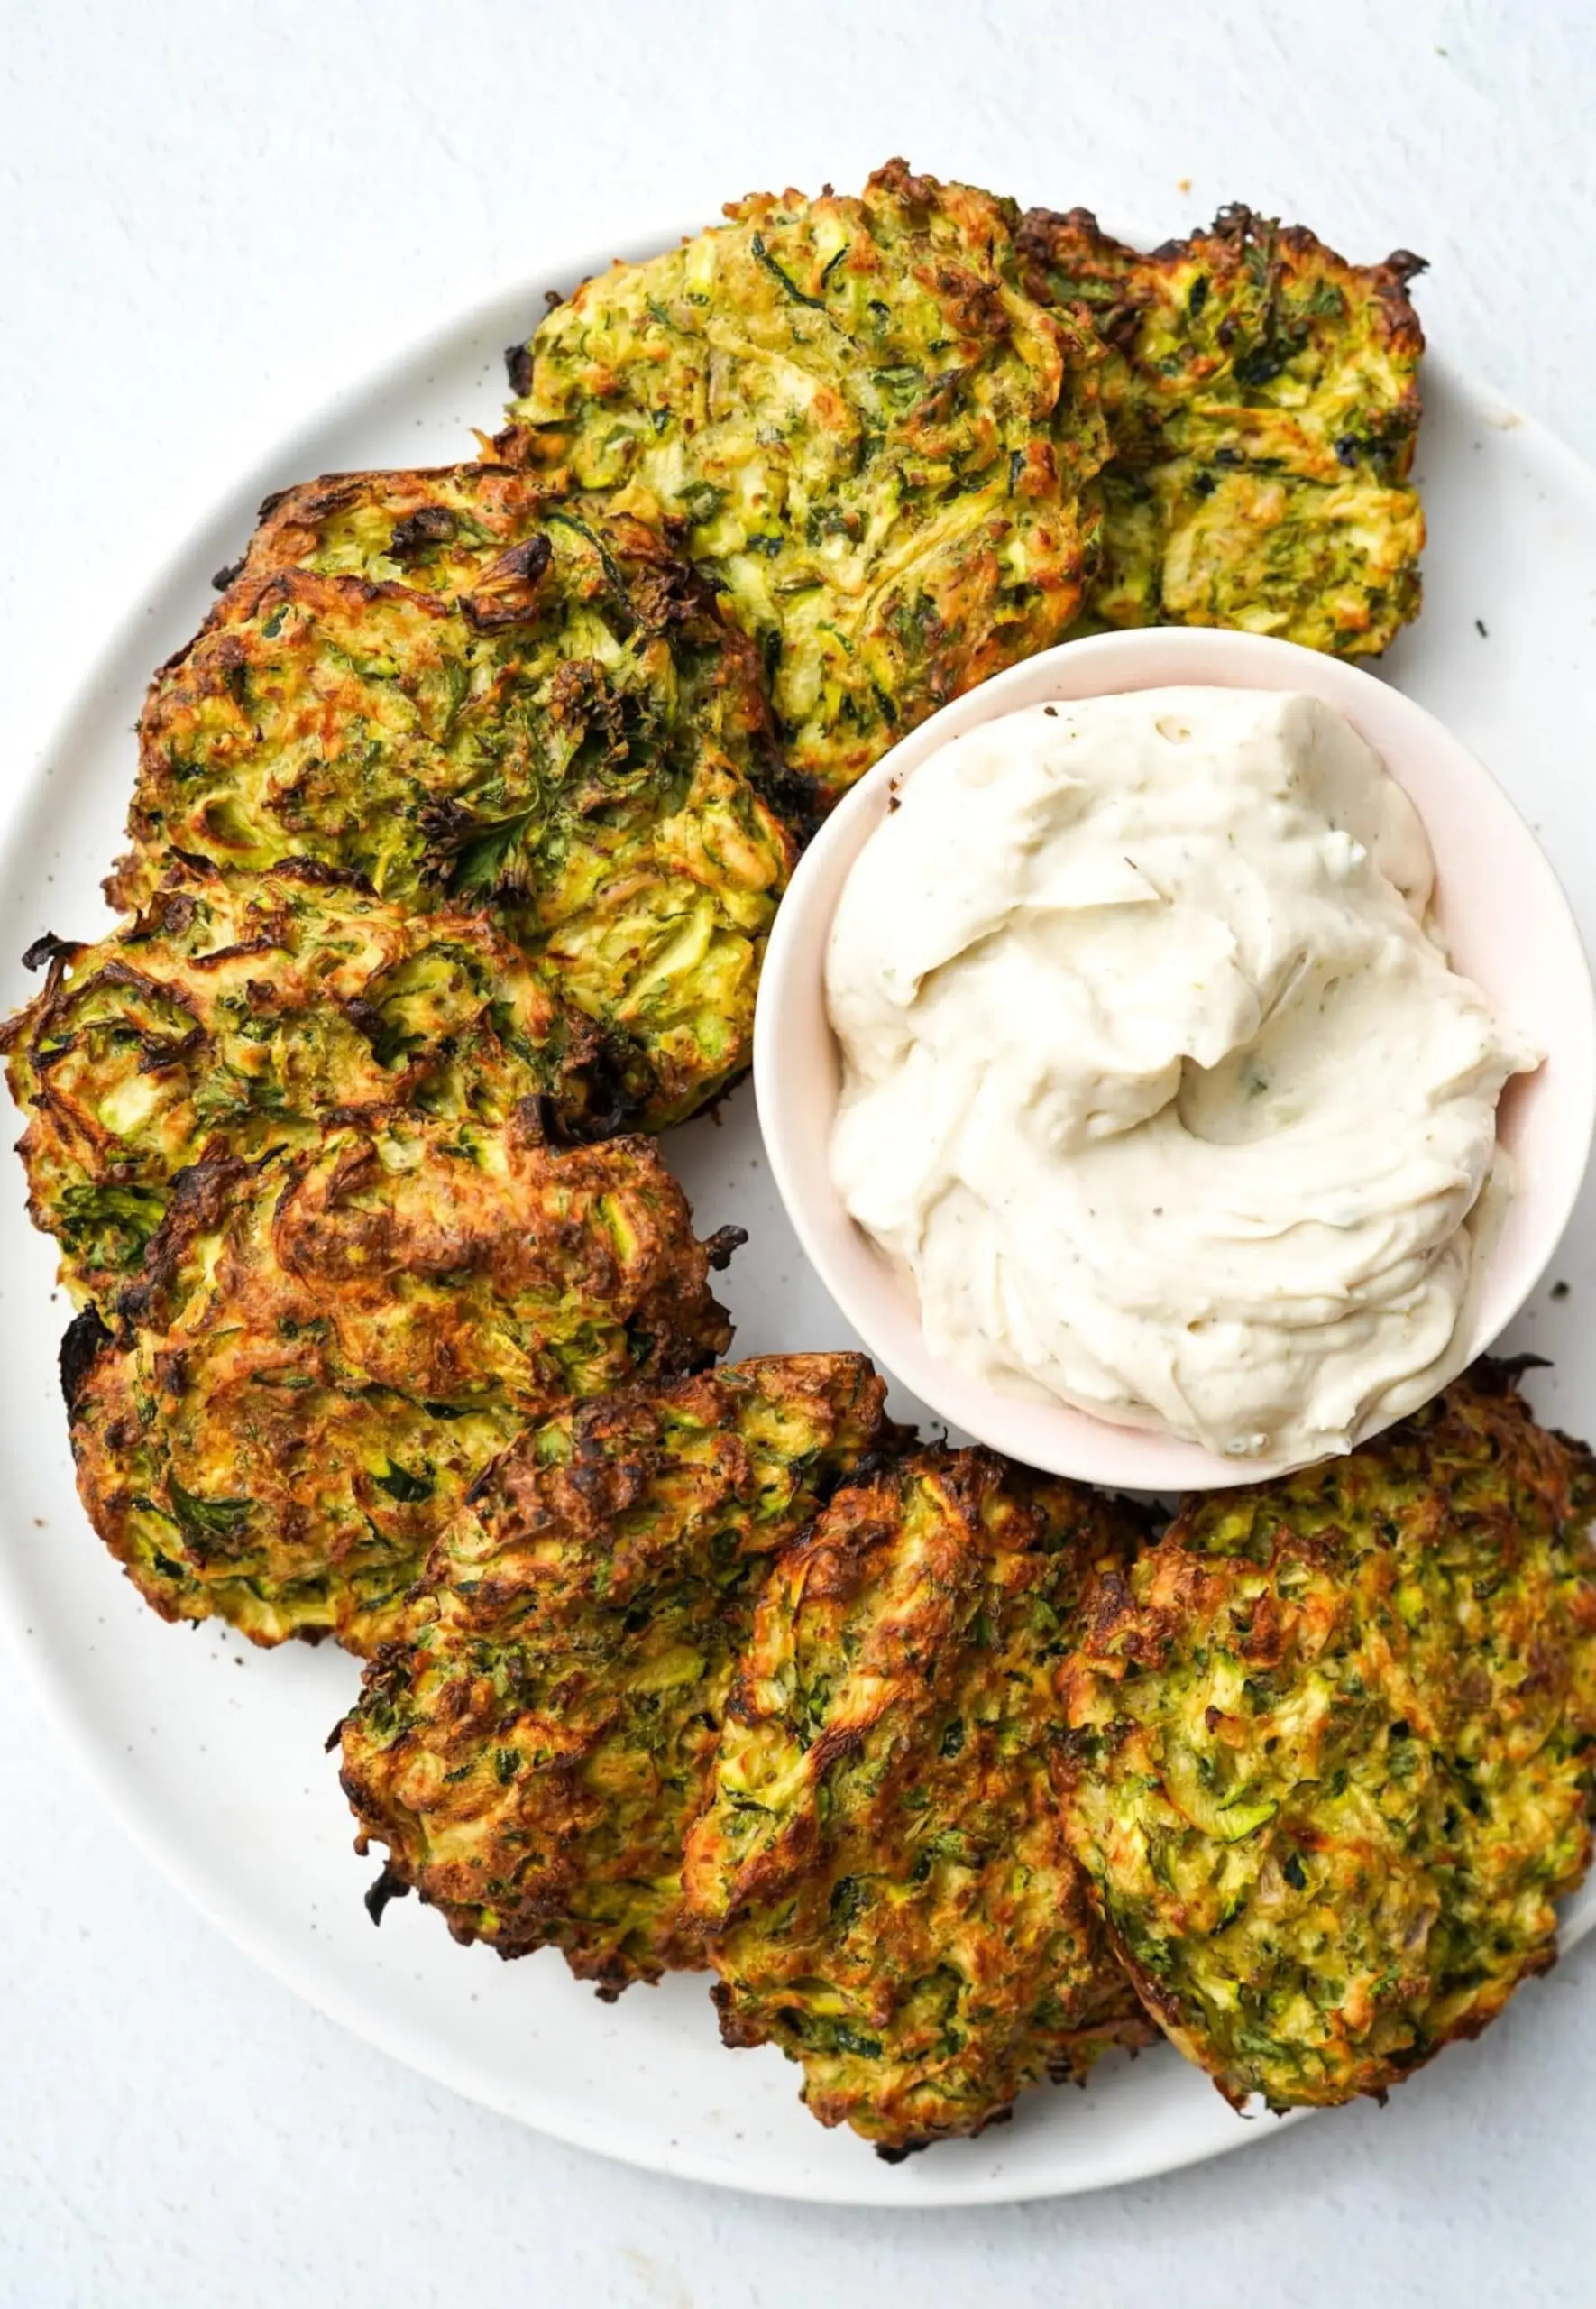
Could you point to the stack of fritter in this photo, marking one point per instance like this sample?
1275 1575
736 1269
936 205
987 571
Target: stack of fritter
914 436
657 1704
764 502
937 1771
534 1748
457 836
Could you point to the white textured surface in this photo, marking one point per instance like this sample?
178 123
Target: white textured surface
213 216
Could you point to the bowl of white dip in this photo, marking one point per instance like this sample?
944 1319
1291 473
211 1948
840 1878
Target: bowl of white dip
1177 1058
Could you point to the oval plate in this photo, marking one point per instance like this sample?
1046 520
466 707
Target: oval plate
211 1753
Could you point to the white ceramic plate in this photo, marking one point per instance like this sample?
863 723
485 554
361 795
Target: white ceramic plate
211 1753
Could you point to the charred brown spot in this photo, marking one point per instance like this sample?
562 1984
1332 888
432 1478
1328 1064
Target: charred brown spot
417 532
48 949
389 1885
508 592
83 1343
723 1243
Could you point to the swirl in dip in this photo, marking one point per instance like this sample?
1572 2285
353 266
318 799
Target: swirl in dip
1157 1080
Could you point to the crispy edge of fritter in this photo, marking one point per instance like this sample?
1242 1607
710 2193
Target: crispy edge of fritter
1125 1635
1121 286
896 1684
292 523
1224 242
583 1498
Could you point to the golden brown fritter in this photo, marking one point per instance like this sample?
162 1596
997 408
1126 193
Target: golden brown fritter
237 1013
474 534
884 1864
1332 1746
869 433
1262 396
582 745
326 1349
1332 565
532 1748
1248 335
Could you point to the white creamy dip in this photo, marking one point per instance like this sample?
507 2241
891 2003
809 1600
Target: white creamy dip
1156 1081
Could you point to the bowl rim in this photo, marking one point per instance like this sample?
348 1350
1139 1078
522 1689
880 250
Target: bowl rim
1552 1111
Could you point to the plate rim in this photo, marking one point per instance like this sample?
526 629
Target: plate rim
52 1687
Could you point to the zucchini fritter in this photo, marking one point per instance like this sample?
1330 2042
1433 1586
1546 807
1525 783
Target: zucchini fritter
1332 565
533 1749
870 434
583 749
883 1865
1331 1749
471 534
326 1349
1262 396
238 1012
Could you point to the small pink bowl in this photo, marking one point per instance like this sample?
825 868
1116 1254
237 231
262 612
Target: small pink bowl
1502 911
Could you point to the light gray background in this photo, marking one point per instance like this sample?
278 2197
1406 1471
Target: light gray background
212 215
